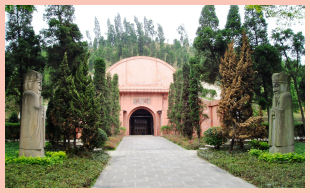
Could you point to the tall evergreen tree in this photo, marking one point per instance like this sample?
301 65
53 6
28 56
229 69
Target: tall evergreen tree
108 105
97 31
115 103
235 110
291 46
187 126
233 25
194 101
63 36
63 109
100 84
255 26
209 44
23 51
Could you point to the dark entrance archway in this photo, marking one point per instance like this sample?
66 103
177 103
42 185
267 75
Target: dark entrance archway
141 123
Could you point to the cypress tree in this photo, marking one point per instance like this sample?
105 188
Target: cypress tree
63 108
237 84
171 103
108 101
115 105
209 44
194 89
255 26
186 127
99 83
233 25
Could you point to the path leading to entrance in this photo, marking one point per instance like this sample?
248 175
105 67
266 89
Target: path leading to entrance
154 162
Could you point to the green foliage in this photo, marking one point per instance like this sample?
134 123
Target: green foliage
12 130
267 60
214 136
210 44
292 48
259 173
194 100
208 93
277 157
126 39
49 159
262 145
233 28
255 26
165 129
75 172
101 138
187 124
23 50
13 117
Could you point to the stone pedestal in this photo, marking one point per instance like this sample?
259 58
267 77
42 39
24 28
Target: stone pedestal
32 132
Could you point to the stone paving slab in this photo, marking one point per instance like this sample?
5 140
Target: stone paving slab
155 162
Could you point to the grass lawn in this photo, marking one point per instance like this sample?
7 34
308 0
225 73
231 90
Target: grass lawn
75 172
184 142
260 173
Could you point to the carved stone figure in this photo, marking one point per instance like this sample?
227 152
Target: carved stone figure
281 122
32 133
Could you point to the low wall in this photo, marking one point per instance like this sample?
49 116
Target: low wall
212 119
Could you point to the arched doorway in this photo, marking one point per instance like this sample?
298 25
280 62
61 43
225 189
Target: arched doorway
141 123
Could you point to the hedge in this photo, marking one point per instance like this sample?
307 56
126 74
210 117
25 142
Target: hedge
299 129
12 130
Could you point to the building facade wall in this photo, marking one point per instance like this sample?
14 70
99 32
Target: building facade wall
144 84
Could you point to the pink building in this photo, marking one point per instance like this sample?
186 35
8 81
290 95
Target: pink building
144 85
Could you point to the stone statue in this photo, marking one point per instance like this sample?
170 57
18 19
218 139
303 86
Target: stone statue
281 122
32 132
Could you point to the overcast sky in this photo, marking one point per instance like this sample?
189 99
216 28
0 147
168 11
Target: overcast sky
169 16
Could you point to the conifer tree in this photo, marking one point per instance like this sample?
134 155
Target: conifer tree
209 44
23 51
255 26
99 83
233 25
194 103
108 102
115 105
171 104
187 126
63 109
235 108
178 106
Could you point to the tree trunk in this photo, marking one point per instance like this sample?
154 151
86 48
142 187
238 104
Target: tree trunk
232 145
241 144
299 101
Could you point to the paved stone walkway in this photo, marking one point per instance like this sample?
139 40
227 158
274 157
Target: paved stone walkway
154 162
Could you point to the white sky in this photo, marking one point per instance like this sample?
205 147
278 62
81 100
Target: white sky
169 16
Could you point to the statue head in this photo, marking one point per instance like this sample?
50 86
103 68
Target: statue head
280 82
33 81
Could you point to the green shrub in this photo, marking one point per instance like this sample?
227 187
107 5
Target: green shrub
49 159
277 157
299 129
255 152
165 129
123 128
12 130
101 138
13 117
213 136
259 144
